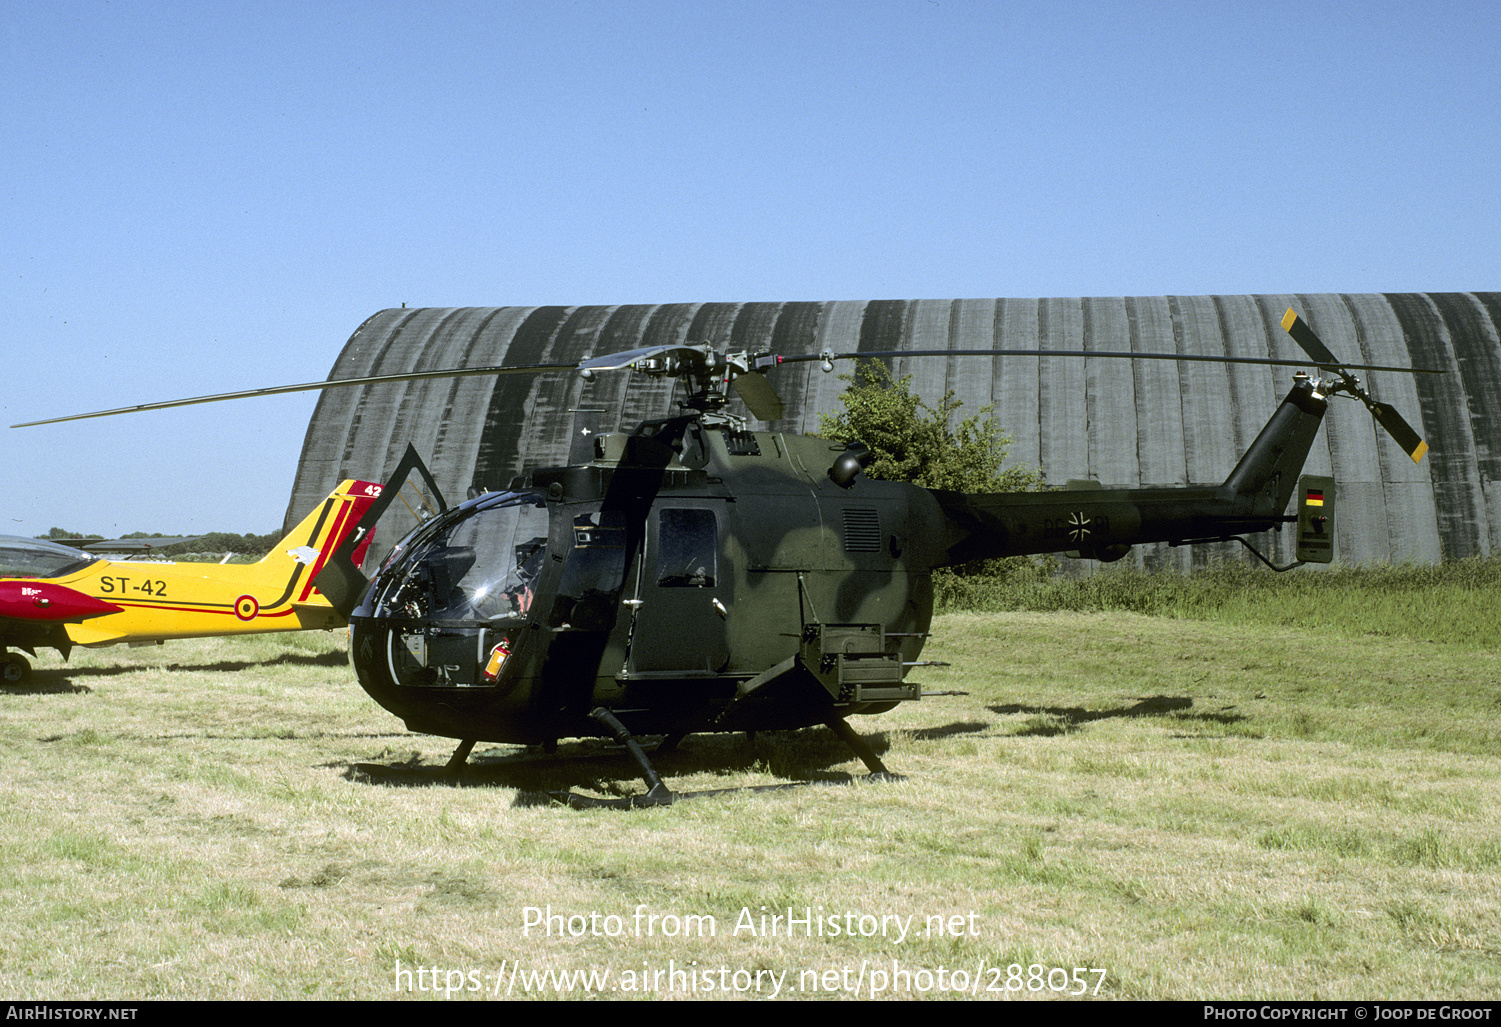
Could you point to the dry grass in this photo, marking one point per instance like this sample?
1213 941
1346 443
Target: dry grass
1201 811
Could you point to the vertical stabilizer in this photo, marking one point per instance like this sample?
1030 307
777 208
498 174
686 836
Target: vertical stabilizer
307 548
1267 474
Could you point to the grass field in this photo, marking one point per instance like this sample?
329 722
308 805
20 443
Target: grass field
1175 808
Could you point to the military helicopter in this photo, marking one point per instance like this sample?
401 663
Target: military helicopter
695 576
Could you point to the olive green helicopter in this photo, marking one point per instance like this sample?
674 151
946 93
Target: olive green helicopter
696 576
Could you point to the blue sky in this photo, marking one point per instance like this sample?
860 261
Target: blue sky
202 197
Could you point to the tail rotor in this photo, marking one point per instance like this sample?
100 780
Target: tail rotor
1386 415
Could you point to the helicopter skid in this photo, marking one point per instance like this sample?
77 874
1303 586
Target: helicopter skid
658 794
573 800
500 772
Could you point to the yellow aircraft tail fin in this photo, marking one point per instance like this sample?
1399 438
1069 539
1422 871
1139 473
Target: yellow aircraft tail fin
323 530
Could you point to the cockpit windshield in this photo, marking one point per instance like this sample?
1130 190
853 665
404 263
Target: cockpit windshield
478 565
34 558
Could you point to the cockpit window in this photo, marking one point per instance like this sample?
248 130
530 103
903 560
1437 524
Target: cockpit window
34 558
480 566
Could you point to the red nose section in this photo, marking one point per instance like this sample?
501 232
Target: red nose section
42 600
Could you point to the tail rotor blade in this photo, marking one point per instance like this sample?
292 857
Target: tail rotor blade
1303 335
1386 415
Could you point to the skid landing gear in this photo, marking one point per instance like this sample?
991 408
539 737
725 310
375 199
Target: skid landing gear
460 755
867 755
657 792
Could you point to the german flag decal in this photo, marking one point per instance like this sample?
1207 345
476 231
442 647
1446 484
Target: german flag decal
1314 497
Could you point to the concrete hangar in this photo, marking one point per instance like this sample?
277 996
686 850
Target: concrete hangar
1119 422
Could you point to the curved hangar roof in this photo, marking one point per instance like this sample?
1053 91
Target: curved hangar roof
1119 422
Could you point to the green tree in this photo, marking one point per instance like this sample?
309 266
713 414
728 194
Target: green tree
913 441
57 533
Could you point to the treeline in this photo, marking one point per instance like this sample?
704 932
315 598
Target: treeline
226 542
212 545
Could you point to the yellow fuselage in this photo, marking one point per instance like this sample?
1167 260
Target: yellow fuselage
187 600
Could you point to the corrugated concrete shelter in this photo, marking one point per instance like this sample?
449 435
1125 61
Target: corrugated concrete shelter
1120 422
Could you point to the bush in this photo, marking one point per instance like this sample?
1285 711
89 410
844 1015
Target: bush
928 446
912 441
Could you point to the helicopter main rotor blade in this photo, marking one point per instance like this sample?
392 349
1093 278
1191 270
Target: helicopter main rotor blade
1329 365
1386 415
627 357
760 396
336 383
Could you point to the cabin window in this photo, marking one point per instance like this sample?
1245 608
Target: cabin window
33 558
687 548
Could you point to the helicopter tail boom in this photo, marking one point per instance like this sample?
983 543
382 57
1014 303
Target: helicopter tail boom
1104 523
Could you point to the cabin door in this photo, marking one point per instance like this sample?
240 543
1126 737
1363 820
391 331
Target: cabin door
682 594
